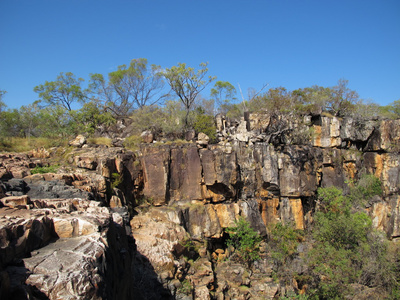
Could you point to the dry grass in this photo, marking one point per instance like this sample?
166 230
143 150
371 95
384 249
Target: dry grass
132 143
14 144
100 141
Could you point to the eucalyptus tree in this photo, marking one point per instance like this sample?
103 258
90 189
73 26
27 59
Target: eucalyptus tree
129 87
64 91
343 100
2 104
223 93
187 84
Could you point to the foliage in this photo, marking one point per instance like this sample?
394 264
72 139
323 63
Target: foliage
43 170
63 92
245 240
293 296
57 122
150 118
186 287
167 120
187 84
234 111
223 93
273 101
205 124
367 187
338 100
346 244
392 110
2 104
173 124
100 141
92 116
342 100
116 180
17 144
312 99
284 240
10 123
191 248
129 87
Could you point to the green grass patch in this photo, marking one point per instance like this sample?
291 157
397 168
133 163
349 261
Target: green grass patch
43 170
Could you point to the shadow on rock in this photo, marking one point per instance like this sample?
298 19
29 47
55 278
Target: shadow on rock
146 282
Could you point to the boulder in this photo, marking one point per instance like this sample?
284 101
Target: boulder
78 142
190 135
202 139
147 136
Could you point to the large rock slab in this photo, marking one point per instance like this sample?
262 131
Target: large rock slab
186 174
69 251
155 164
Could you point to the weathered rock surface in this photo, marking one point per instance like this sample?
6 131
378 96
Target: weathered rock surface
14 166
79 141
69 250
266 169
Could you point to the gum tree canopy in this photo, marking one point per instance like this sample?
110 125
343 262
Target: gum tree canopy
63 92
2 104
187 83
129 87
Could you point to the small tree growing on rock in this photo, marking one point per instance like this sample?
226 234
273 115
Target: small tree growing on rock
245 240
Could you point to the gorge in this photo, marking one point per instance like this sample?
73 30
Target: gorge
114 223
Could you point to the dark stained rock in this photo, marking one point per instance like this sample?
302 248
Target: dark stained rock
386 137
155 163
186 174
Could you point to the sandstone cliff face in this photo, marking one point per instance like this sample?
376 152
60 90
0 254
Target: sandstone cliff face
266 169
283 179
248 174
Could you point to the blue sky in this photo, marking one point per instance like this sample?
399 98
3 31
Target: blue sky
290 43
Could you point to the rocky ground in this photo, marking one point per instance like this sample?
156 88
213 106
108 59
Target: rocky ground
113 224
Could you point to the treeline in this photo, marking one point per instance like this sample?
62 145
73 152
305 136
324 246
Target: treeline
167 101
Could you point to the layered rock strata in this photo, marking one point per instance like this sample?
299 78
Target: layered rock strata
264 168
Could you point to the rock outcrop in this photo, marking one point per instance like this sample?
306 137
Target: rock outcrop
69 235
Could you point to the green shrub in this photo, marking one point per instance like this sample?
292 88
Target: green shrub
205 124
16 144
367 187
283 240
166 120
186 287
116 180
245 240
346 249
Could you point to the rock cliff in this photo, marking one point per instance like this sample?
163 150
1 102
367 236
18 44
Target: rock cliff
128 219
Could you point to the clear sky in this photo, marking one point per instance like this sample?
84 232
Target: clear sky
289 43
